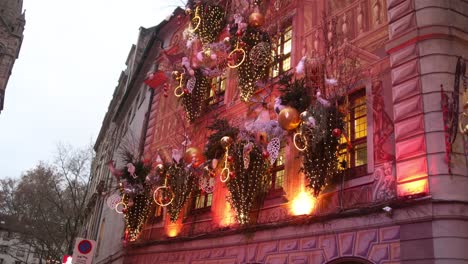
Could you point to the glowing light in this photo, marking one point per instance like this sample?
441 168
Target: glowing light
228 216
173 230
412 188
303 204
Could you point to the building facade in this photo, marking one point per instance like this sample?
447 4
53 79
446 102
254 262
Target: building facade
12 22
13 248
395 192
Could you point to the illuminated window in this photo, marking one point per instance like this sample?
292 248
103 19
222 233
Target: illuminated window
277 172
218 88
202 200
156 215
354 154
283 49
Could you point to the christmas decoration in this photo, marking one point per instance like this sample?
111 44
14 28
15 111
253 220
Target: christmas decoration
273 149
207 22
256 19
215 147
295 93
181 180
194 102
288 118
249 184
319 146
194 156
248 72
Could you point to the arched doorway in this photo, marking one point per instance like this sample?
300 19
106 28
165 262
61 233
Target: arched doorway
350 260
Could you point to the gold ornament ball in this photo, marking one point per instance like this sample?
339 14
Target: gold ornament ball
256 19
195 156
289 118
226 141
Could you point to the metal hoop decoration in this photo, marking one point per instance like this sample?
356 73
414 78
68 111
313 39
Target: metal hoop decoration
244 55
226 168
198 18
156 198
179 88
124 206
303 138
462 129
227 175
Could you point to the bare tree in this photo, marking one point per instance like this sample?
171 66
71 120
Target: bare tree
49 201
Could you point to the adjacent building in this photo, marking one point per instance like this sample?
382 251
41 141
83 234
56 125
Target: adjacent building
401 197
12 21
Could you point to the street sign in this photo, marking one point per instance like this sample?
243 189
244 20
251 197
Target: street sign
83 251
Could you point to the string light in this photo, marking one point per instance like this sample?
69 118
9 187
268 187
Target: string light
247 185
181 180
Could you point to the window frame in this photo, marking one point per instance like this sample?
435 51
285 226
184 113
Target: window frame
206 199
218 88
352 170
273 189
280 45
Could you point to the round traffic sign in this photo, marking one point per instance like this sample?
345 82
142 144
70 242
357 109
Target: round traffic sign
85 246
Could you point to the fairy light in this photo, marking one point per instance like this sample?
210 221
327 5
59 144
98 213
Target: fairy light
194 102
250 73
207 22
246 184
182 183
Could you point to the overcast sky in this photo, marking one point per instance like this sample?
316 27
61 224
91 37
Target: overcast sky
69 64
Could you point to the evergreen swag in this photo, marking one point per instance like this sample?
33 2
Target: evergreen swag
320 163
140 196
212 21
137 214
248 72
294 93
247 186
221 128
181 179
195 101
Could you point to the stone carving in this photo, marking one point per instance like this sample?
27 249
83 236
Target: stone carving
384 184
383 126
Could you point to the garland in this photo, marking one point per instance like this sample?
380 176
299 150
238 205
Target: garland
207 22
246 185
255 64
320 163
221 128
194 101
295 93
181 180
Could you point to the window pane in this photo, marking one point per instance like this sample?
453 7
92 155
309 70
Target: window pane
209 199
281 157
279 179
288 33
287 64
200 201
343 155
287 47
360 154
360 127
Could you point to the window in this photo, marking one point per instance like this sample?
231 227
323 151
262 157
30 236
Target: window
202 200
218 88
283 49
156 214
354 155
3 249
278 173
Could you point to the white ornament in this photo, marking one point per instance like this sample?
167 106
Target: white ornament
246 154
273 148
113 200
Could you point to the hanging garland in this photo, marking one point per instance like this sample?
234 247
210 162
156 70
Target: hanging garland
207 21
135 187
295 93
194 101
251 56
246 184
320 145
221 128
181 180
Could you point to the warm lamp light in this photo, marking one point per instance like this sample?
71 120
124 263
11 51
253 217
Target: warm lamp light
303 204
173 230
